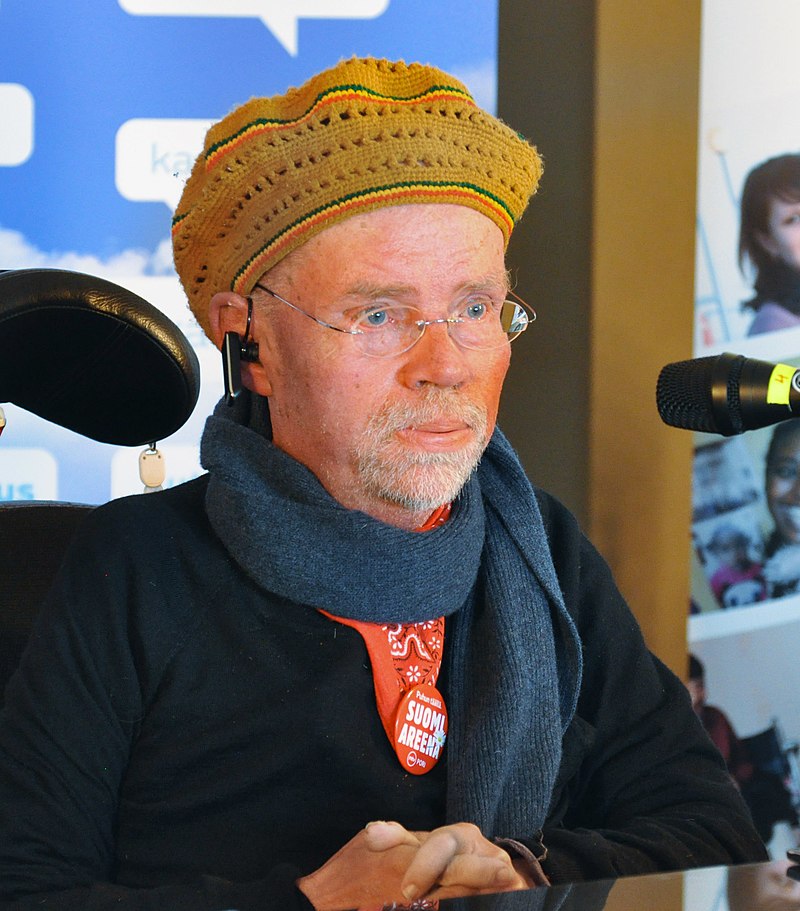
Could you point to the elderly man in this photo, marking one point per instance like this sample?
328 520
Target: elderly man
361 659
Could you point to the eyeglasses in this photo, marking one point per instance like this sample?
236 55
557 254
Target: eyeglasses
480 323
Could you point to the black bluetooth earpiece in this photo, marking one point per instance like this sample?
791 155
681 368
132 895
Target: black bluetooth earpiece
234 351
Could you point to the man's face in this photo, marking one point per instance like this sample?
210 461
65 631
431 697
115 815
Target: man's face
396 436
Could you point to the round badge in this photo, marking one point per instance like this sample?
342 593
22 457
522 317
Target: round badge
420 729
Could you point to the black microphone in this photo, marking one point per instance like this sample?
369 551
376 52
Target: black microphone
727 394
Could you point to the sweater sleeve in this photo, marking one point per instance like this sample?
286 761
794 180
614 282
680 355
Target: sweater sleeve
641 787
71 715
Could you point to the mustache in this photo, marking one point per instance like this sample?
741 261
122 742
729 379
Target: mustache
433 405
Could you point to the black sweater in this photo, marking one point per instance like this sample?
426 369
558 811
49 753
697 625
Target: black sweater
176 737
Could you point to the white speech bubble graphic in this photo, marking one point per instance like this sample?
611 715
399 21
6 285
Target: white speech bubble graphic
154 157
279 16
27 474
16 124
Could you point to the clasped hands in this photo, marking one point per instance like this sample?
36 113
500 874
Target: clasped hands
386 863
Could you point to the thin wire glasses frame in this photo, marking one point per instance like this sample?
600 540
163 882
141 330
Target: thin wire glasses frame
514 317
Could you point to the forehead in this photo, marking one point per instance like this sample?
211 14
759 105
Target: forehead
780 206
788 447
427 244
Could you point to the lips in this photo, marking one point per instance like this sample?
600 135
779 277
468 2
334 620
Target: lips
442 426
437 435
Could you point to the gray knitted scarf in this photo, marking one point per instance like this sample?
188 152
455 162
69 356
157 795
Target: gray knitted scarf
513 653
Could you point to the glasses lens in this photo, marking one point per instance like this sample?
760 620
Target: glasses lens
513 318
493 329
387 331
383 332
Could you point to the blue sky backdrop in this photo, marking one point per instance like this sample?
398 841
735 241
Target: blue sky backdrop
73 74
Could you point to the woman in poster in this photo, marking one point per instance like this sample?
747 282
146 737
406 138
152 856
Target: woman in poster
782 487
769 241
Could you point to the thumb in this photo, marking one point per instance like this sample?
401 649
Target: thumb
381 836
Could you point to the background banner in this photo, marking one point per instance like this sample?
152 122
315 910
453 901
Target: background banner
744 624
104 108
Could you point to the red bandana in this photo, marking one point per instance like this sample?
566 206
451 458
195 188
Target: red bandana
406 659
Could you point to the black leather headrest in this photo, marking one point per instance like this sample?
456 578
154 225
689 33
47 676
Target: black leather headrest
91 356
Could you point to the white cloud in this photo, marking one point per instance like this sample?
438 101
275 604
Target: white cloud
17 252
481 80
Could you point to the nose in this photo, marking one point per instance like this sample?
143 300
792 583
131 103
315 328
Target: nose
436 359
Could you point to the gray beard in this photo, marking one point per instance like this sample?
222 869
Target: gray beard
419 481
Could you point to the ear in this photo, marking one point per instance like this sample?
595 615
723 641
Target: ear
228 313
767 242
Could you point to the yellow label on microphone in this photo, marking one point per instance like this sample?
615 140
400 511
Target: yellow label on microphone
780 382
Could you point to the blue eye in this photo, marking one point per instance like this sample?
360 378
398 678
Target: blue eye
376 318
475 310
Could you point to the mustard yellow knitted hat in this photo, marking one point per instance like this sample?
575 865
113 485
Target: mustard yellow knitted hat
364 134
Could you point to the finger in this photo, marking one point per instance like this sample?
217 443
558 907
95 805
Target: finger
381 836
475 872
429 864
458 855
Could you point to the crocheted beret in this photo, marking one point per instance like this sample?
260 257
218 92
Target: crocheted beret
364 134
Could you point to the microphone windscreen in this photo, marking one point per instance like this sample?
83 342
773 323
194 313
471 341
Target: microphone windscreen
686 393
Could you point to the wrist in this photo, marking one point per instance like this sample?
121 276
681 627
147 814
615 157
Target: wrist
527 863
